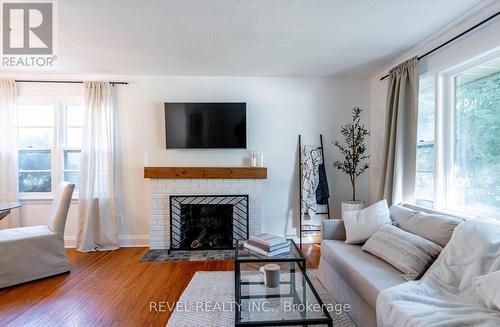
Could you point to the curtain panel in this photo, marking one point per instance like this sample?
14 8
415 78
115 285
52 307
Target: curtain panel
400 145
8 150
97 229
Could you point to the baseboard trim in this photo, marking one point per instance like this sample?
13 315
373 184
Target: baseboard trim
125 241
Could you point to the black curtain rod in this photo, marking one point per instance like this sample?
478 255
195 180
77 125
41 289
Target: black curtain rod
63 82
453 39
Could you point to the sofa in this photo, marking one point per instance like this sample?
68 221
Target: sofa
356 277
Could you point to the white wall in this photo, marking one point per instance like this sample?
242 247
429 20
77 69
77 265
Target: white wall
278 110
478 43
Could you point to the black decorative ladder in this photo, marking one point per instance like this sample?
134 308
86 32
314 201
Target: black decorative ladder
302 230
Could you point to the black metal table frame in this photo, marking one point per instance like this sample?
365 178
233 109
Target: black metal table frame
301 263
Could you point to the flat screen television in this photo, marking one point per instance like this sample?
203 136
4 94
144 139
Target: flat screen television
213 125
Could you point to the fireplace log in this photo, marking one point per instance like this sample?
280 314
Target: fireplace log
198 242
214 240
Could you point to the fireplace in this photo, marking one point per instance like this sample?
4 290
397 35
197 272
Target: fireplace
205 222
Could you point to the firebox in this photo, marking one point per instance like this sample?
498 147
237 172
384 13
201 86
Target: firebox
207 222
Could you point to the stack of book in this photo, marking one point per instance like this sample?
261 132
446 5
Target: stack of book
267 244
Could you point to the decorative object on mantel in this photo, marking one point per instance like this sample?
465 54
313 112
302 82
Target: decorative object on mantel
354 153
206 172
260 159
313 187
253 159
256 159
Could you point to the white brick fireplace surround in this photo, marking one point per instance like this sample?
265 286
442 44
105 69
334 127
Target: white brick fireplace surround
162 188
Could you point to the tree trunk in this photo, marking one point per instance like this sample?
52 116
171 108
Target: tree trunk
353 183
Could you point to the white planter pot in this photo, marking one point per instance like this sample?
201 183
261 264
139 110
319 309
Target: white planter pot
352 206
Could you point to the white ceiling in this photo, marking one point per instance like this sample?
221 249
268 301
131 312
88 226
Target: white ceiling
245 37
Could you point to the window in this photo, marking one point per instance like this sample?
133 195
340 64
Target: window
476 142
426 171
460 169
49 140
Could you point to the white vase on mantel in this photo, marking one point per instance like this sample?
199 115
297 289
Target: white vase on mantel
352 206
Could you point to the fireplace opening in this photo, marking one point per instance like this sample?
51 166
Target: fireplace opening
207 226
205 222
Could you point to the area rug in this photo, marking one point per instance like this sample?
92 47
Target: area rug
208 300
205 255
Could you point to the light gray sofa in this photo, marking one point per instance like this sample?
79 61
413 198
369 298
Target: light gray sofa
356 277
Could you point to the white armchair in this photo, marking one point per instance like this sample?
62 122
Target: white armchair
29 253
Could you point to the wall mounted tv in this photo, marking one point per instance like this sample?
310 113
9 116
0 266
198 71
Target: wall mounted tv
208 125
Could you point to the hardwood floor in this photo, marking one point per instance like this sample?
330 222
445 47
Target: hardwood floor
107 289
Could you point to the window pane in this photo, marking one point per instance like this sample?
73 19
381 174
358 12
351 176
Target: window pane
72 177
35 115
71 160
35 137
34 160
425 172
425 157
74 115
426 104
34 182
476 179
424 186
74 137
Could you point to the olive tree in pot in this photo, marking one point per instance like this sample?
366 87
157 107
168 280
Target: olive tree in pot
354 152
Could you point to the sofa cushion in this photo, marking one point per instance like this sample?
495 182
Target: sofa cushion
399 212
433 227
409 253
365 273
361 224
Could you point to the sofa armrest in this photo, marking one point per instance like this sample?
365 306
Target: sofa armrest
333 229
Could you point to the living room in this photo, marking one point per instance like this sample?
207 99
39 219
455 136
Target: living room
146 147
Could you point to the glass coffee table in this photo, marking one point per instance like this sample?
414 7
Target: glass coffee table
294 303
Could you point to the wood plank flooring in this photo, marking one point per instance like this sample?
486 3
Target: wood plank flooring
107 289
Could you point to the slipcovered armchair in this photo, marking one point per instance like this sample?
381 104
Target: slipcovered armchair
29 253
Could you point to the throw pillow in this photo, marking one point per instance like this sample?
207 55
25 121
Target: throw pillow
409 253
361 224
488 286
433 227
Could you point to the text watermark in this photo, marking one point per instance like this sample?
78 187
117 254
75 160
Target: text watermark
257 306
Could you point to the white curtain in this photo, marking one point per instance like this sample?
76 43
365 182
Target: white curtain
96 216
401 134
8 150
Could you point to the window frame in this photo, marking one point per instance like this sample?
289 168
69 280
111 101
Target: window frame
59 104
444 144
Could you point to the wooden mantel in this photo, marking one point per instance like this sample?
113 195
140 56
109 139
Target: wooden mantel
206 172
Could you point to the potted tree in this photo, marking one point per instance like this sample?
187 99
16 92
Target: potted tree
354 152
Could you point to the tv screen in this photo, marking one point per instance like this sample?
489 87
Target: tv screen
217 125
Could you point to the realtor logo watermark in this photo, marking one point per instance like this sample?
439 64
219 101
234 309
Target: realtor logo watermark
28 34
